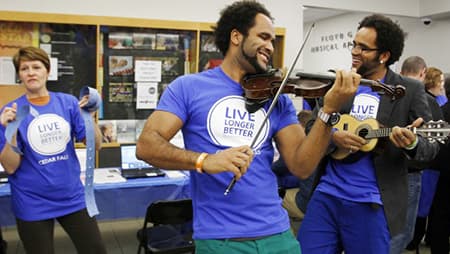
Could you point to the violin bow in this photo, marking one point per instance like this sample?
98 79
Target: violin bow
274 102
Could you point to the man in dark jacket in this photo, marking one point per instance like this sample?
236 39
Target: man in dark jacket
361 201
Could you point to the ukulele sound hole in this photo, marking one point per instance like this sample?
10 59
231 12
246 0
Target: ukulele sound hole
363 133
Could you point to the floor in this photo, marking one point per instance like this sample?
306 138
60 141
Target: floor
119 236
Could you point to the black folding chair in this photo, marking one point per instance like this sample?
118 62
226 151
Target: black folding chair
171 231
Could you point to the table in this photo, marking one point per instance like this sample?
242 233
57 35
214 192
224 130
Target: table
124 200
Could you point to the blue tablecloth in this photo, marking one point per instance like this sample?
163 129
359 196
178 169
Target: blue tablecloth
125 200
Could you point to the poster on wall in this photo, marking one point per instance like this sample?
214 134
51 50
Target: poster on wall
109 130
53 75
7 70
120 65
121 92
169 66
126 131
207 43
16 35
148 70
167 41
147 95
75 48
120 41
139 127
144 40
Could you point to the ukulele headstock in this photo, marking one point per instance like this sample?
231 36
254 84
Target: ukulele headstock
434 131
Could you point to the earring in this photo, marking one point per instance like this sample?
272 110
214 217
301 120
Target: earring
381 61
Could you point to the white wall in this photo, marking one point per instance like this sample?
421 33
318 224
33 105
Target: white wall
397 7
434 7
327 46
410 8
287 13
430 42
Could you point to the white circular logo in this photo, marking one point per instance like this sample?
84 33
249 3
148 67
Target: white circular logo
230 124
365 106
48 134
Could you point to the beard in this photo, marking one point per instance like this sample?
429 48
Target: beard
368 67
253 60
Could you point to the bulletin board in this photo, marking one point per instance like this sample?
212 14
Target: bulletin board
72 49
123 50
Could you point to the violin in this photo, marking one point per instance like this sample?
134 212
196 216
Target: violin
264 86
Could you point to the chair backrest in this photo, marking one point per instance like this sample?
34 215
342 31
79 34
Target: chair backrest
172 228
170 212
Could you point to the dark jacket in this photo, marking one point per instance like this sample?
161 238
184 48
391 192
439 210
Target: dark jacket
442 160
391 164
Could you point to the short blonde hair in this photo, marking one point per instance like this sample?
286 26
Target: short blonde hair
432 78
31 54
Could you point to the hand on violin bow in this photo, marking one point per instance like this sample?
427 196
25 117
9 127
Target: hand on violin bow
342 90
235 159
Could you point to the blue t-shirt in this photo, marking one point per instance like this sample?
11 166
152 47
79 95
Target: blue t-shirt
306 105
355 181
212 108
441 100
47 182
2 137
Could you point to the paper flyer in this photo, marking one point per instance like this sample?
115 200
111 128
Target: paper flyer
147 95
147 70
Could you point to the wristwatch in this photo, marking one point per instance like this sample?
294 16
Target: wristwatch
329 119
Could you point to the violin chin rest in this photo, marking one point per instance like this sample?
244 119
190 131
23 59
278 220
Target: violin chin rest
253 105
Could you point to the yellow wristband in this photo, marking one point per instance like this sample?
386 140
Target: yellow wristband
199 162
412 145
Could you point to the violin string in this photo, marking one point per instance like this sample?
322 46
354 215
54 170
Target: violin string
275 100
280 89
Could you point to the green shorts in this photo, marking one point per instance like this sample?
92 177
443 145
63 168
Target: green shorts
283 243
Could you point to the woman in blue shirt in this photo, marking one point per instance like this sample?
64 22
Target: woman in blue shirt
45 178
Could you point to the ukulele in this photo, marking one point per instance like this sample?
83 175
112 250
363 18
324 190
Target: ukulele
370 130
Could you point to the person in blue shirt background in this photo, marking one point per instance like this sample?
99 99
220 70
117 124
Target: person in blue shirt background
45 179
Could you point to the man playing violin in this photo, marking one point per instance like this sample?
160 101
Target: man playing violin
209 109
360 202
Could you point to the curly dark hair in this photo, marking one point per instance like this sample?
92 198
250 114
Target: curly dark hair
390 37
240 16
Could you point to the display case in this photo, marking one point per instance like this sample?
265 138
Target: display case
129 60
71 48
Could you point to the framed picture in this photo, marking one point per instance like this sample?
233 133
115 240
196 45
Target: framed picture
144 40
120 65
120 41
167 41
